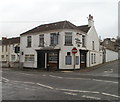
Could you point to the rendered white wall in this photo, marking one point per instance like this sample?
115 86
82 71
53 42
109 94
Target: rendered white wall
111 55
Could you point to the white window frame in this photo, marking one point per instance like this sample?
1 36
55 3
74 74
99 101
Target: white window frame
68 39
29 58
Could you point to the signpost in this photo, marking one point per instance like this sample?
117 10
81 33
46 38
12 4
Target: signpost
74 51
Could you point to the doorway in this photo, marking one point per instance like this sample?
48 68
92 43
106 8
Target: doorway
83 58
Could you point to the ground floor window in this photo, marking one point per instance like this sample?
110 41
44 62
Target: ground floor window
2 56
77 60
13 57
68 60
53 57
29 57
92 58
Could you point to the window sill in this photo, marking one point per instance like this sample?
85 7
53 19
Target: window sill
41 46
53 44
28 47
68 45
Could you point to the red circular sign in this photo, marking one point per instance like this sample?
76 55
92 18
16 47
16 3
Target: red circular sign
74 50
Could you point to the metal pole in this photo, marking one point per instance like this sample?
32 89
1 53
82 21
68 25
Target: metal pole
74 61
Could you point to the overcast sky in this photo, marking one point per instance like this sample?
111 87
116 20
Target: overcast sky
18 16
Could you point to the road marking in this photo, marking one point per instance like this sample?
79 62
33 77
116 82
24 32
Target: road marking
110 95
84 79
26 88
56 76
69 93
108 71
105 81
27 74
49 87
6 80
29 82
81 91
79 78
91 97
44 75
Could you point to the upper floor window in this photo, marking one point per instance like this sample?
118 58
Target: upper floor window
83 40
6 48
2 48
54 39
29 41
93 45
41 40
68 38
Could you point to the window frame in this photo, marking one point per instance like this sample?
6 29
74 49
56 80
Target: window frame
94 58
68 39
29 41
83 41
54 39
77 60
29 58
68 60
91 58
93 45
41 40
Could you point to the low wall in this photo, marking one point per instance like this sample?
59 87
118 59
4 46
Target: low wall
6 64
111 55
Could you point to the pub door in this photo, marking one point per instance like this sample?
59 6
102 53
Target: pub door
53 60
41 59
82 59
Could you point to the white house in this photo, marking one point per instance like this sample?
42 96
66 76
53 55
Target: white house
8 57
50 46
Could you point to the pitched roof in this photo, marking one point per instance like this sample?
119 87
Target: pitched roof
10 41
84 28
52 26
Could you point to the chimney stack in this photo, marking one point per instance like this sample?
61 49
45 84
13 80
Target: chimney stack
90 21
4 38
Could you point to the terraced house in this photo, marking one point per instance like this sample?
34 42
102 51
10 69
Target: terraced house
8 57
50 46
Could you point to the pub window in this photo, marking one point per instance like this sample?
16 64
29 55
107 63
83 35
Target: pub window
2 48
29 58
13 57
83 40
77 60
54 38
68 38
6 48
68 60
29 41
93 46
2 56
92 58
68 53
41 40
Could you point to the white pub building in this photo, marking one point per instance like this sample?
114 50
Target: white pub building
51 46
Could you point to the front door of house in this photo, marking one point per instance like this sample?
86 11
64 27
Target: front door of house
82 59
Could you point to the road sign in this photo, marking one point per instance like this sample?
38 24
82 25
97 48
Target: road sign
74 50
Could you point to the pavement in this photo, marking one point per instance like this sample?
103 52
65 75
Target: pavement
101 83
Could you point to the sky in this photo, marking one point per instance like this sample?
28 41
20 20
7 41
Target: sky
18 16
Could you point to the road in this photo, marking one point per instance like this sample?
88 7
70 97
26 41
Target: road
98 84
